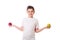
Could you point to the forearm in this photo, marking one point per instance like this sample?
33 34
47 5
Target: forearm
19 28
42 29
39 30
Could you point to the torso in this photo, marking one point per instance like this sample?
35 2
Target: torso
29 26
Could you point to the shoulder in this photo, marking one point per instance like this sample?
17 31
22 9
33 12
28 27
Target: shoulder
35 19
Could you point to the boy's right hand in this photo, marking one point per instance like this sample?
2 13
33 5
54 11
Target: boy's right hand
11 25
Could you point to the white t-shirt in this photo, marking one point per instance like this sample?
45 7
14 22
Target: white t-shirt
29 25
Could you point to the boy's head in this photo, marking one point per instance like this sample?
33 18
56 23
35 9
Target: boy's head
30 10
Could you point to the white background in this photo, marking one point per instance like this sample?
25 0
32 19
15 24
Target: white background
46 11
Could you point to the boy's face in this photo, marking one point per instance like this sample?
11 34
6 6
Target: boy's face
30 12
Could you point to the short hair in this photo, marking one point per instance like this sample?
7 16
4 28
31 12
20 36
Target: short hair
30 7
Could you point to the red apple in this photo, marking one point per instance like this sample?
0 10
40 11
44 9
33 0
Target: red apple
10 24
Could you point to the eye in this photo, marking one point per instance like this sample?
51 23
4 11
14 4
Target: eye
28 11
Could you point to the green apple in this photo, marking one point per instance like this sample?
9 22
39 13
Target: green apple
48 25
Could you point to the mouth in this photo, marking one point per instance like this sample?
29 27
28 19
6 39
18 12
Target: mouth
30 14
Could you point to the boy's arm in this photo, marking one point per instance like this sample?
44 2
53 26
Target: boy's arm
39 30
19 28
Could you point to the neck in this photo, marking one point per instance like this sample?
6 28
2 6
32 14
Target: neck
30 16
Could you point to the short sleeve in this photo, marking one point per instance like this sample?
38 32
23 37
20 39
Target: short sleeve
37 24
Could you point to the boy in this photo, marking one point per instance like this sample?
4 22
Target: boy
30 25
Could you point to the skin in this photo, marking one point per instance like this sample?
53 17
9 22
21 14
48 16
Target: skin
30 13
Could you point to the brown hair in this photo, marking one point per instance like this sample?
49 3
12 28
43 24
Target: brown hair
30 7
